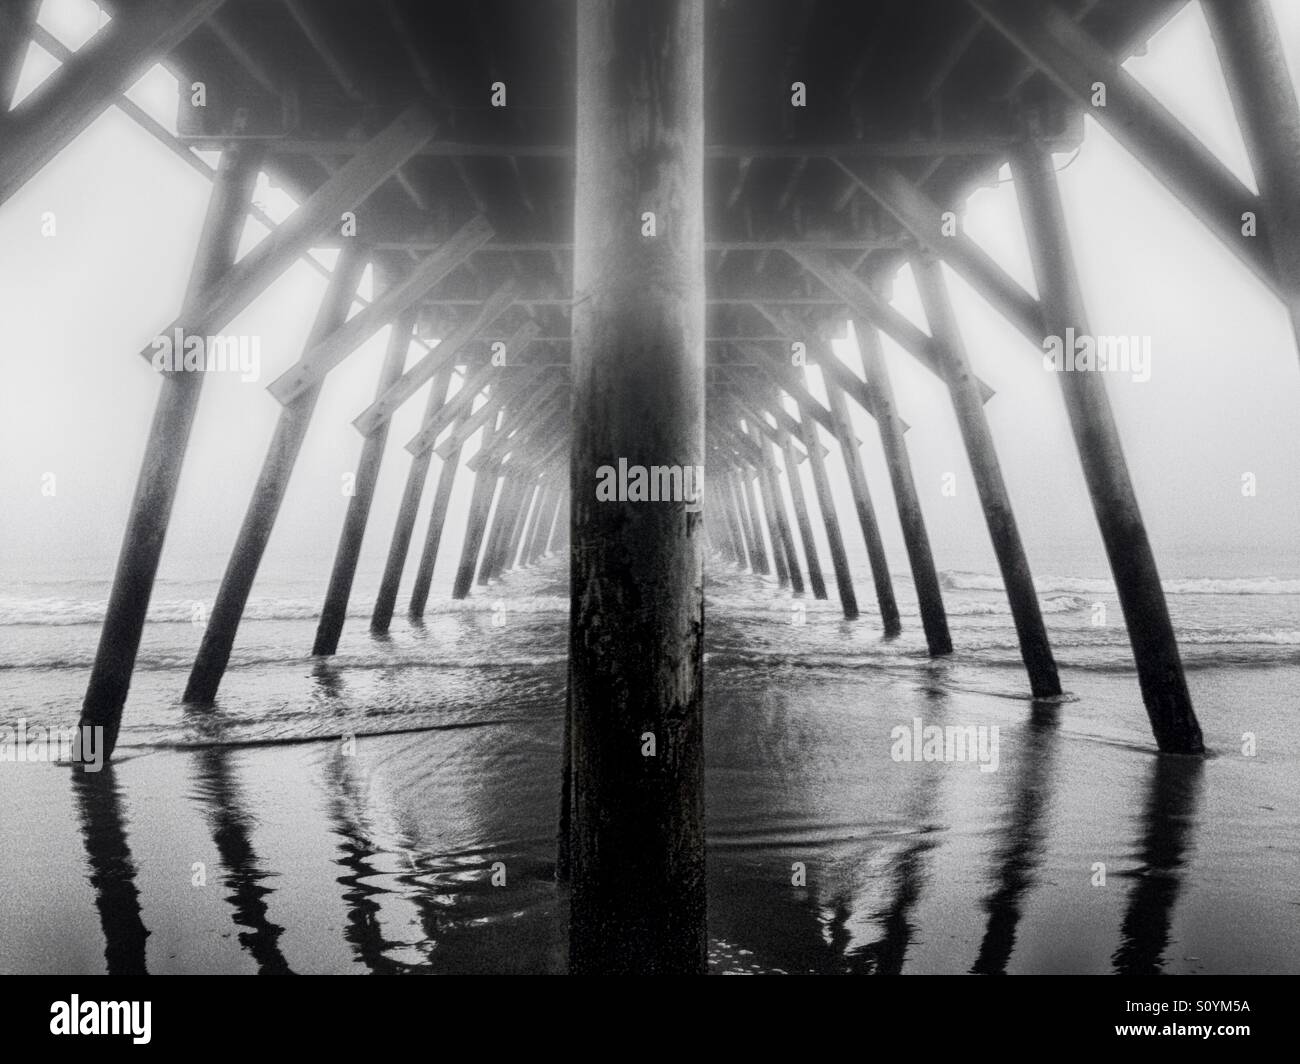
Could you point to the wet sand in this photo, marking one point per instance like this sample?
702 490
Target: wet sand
314 860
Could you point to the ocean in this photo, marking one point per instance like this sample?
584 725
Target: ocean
394 808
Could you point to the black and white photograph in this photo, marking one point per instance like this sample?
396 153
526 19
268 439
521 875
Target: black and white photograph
650 487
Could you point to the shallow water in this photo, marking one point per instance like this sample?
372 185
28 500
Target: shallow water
248 838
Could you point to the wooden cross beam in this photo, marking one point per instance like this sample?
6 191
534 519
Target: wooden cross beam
541 407
784 375
474 384
311 369
441 356
1075 61
159 133
824 355
72 97
758 409
923 218
864 302
17 23
764 401
543 443
344 190
499 395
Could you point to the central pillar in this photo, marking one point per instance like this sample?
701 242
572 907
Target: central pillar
637 575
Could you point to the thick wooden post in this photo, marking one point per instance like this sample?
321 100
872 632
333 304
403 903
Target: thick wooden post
523 533
528 536
790 458
985 468
749 499
335 610
433 537
779 517
830 519
418 472
485 486
636 645
1132 562
518 521
1264 99
503 521
733 494
528 514
264 507
160 472
722 500
542 526
857 476
560 530
765 505
929 595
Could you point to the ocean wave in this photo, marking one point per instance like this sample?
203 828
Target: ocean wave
67 612
1199 585
782 603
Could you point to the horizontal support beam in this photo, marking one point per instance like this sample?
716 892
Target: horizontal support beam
829 243
565 302
886 148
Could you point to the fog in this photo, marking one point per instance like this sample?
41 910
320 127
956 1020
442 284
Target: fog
76 307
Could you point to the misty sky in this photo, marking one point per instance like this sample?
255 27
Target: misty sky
76 400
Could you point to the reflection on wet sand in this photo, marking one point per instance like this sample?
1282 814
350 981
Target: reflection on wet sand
1023 842
886 955
1168 825
416 825
112 870
218 794
347 810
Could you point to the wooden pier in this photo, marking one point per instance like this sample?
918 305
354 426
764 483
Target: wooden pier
623 217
